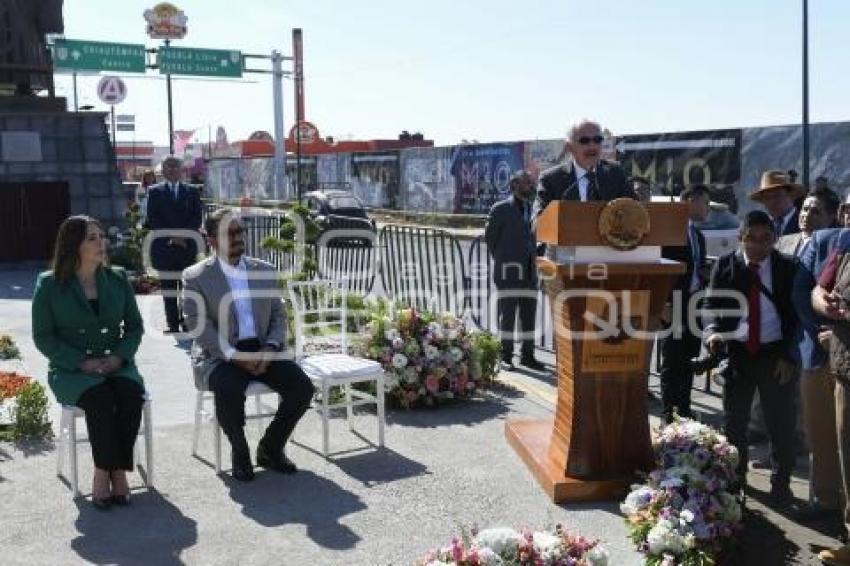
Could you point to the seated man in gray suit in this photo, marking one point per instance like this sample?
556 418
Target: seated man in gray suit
240 332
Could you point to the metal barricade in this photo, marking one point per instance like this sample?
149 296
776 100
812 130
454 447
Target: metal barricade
348 248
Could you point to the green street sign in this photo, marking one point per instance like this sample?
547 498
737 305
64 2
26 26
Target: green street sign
75 55
199 62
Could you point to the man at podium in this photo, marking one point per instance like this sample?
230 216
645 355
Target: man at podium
585 176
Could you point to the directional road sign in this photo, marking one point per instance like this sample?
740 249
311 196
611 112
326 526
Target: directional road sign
199 62
75 55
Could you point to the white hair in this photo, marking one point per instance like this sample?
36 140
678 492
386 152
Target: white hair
572 133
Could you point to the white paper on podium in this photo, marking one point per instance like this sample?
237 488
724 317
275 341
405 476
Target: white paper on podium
603 254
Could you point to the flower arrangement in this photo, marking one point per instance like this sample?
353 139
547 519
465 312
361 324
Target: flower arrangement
427 356
684 514
505 546
11 383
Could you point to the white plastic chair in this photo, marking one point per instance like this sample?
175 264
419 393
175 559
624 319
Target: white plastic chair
255 389
323 304
68 440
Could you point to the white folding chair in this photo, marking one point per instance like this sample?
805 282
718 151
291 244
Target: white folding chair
255 389
68 440
321 305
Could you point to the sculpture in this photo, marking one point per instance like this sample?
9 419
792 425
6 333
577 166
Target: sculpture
25 62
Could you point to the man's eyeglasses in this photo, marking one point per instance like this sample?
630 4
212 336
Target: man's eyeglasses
585 140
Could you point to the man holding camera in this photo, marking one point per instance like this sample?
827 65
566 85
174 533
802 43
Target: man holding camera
749 313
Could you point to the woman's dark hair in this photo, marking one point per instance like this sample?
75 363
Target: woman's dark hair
66 252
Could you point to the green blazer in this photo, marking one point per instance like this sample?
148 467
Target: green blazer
66 330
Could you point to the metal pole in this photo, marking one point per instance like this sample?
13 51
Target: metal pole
114 141
170 109
805 93
279 138
76 104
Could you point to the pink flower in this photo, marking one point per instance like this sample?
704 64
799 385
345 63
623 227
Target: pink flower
461 382
432 383
457 550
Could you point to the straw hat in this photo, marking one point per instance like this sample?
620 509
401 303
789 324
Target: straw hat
772 180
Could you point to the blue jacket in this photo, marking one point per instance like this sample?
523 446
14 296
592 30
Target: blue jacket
811 263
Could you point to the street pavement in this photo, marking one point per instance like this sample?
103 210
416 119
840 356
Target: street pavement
441 470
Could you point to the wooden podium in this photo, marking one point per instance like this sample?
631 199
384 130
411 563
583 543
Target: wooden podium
600 434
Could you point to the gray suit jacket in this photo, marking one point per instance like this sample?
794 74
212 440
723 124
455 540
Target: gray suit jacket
205 283
511 243
791 244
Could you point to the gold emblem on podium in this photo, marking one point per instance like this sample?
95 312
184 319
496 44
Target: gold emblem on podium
623 223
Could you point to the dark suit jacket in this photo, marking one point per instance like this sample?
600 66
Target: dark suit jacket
793 224
560 183
685 255
511 243
165 211
812 260
731 273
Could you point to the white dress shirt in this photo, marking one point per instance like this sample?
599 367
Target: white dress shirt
583 181
771 324
237 279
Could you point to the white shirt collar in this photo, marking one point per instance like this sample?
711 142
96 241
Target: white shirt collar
580 171
233 270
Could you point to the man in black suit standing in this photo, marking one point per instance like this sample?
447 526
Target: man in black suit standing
173 205
683 342
511 243
585 176
760 341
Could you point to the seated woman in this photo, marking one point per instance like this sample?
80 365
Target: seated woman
86 322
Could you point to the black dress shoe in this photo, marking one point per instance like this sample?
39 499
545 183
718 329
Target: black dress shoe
780 494
531 363
275 460
102 503
121 500
171 330
243 470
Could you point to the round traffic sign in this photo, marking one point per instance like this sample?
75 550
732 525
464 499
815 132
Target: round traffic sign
111 90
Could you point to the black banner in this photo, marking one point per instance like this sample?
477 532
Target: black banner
673 161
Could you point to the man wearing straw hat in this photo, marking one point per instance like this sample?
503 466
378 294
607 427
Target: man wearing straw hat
777 193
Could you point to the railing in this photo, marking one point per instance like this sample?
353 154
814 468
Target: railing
482 308
423 267
352 254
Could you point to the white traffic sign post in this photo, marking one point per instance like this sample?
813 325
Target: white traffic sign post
112 91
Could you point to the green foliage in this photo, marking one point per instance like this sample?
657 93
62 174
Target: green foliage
8 349
285 242
486 354
30 414
127 253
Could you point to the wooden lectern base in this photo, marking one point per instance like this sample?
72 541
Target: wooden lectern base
531 438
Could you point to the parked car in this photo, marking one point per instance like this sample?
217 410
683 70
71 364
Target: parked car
336 209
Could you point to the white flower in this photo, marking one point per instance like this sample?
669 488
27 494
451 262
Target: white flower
687 515
502 541
637 500
662 538
399 361
391 334
489 558
548 545
431 352
597 556
452 334
457 354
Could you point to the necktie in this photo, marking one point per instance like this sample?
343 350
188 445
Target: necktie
754 311
778 222
175 190
592 190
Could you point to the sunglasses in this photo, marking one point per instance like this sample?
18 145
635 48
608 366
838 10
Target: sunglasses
586 140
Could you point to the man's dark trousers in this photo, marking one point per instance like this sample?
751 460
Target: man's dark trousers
677 377
747 373
173 258
228 383
511 300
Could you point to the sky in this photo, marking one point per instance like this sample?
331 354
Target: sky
489 70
